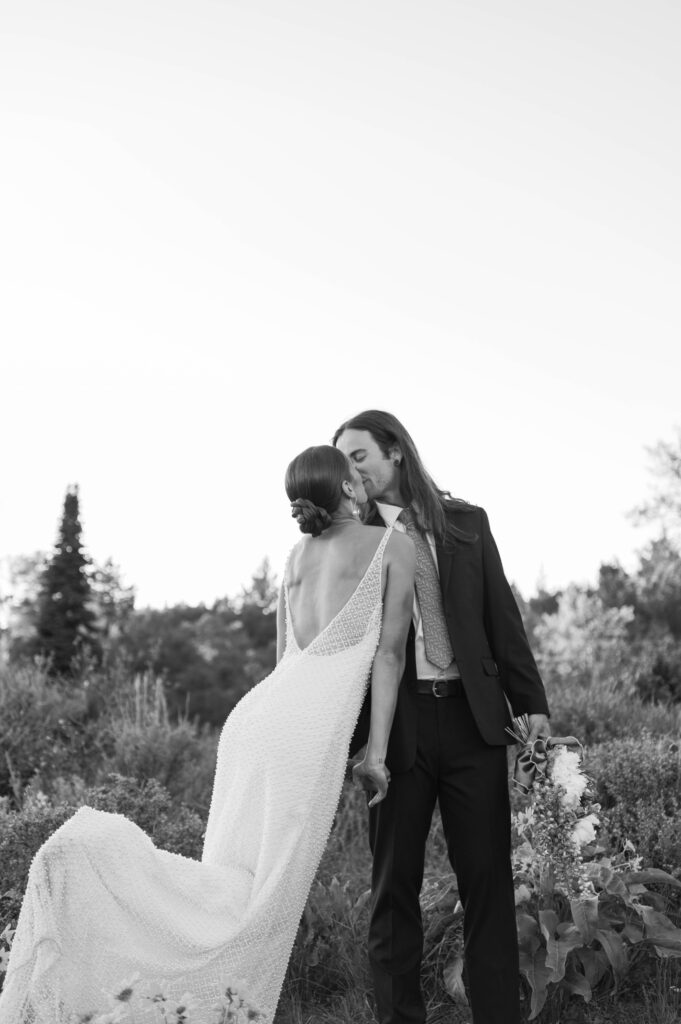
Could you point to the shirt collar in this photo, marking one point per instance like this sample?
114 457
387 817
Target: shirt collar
388 513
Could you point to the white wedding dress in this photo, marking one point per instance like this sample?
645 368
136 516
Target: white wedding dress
103 904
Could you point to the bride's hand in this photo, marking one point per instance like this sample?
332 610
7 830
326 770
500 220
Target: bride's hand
373 777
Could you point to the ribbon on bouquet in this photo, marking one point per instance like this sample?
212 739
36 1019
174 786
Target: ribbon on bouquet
532 759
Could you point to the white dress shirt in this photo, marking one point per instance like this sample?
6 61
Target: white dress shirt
424 668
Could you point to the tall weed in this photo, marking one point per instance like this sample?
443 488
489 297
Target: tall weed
146 744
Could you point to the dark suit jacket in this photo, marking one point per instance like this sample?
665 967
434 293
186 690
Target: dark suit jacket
488 640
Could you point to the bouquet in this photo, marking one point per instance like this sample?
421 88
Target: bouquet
560 820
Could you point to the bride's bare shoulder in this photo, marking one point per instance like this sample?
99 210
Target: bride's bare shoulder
400 548
296 558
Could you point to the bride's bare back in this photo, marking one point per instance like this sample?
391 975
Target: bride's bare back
323 573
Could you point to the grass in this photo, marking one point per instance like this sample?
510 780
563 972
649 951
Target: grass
330 983
61 742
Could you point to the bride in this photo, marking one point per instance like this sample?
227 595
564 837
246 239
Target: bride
103 904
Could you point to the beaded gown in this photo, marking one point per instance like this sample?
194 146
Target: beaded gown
103 904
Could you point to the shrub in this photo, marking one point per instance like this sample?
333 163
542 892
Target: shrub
638 784
660 683
22 833
584 643
46 727
597 715
171 826
52 731
174 755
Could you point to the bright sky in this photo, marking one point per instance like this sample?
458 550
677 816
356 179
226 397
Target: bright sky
228 226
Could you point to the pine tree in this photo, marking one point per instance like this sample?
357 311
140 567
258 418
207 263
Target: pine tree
66 621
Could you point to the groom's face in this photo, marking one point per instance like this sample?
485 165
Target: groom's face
377 471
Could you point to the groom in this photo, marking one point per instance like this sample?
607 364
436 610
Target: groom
467 654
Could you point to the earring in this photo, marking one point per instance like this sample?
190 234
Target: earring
396 462
355 510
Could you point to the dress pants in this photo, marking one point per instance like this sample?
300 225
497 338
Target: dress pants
469 780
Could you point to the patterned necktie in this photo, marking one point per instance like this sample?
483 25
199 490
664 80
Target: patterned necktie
435 635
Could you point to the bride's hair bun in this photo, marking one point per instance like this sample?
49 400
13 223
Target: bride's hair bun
314 485
310 517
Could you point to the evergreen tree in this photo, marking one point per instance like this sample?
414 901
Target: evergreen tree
66 621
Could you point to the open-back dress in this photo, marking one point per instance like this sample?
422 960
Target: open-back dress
104 908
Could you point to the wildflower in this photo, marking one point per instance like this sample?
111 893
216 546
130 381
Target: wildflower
233 1008
633 860
524 819
184 1010
116 1016
125 990
525 858
237 988
522 894
584 830
158 997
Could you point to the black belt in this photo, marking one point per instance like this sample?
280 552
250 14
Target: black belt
441 687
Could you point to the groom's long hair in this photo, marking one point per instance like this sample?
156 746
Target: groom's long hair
418 488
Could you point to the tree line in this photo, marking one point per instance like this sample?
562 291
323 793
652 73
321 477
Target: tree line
73 614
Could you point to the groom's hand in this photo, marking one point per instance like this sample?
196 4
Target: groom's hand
373 778
539 728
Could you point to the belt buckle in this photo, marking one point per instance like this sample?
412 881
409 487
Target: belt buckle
433 688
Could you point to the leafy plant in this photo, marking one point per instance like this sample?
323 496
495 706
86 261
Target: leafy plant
583 943
580 915
638 783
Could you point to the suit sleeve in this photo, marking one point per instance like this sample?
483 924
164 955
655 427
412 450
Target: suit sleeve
506 633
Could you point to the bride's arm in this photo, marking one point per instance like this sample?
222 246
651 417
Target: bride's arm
389 661
281 624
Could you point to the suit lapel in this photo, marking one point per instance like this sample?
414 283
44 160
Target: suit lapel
444 564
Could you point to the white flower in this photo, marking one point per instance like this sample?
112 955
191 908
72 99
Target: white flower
522 894
565 772
525 857
584 830
524 820
185 1009
116 1016
239 986
634 861
234 1006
